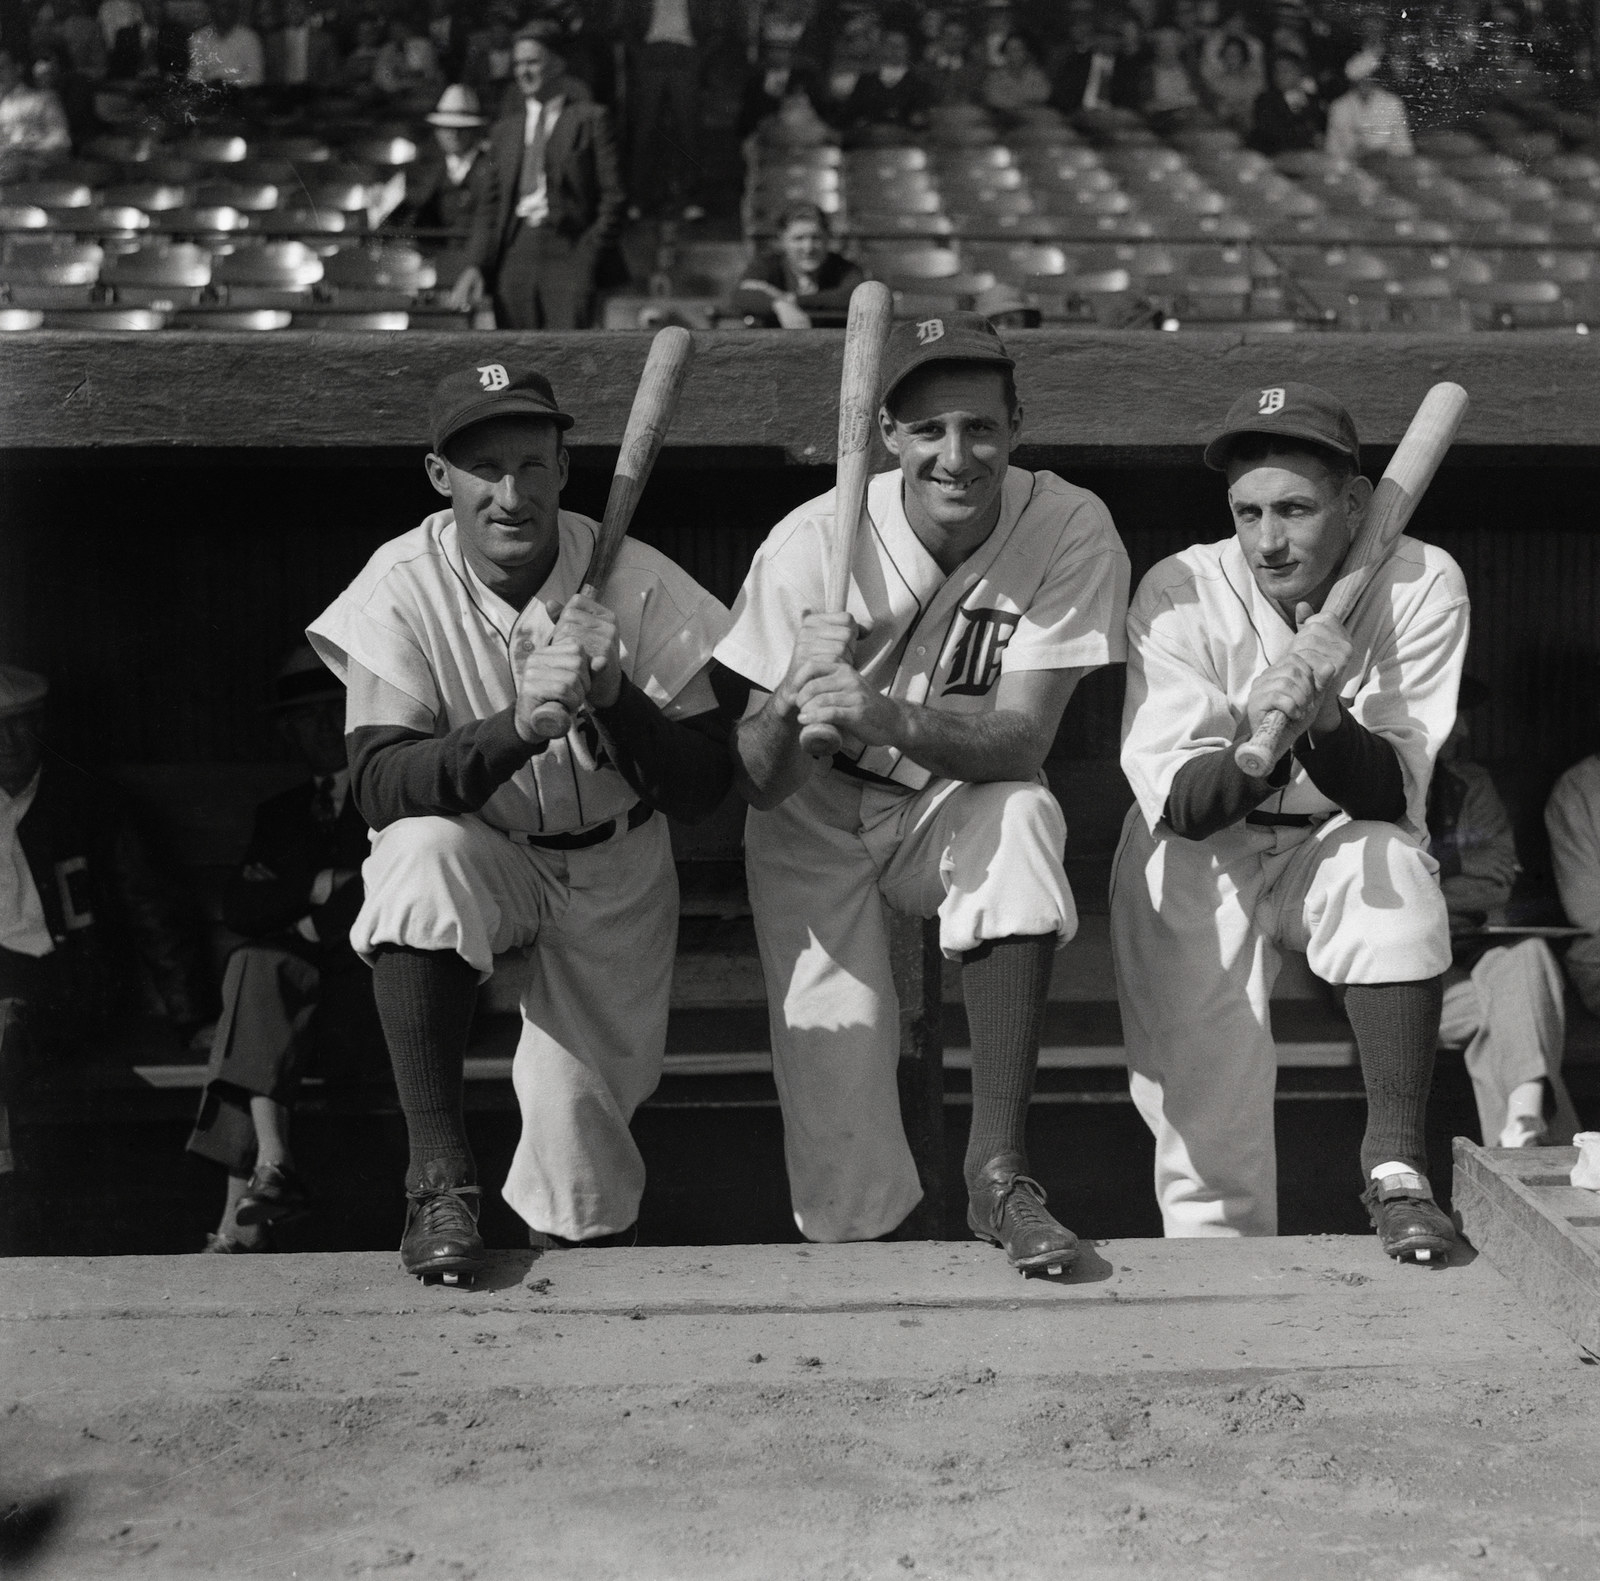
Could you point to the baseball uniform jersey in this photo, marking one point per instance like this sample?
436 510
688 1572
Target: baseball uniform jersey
1197 924
422 643
1045 591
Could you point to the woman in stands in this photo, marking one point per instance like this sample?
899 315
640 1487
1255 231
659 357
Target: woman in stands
1018 82
801 282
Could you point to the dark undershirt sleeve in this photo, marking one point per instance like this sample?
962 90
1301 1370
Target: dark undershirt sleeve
1211 792
680 766
1357 769
400 773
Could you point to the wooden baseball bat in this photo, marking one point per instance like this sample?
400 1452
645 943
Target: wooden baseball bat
654 402
1403 483
866 332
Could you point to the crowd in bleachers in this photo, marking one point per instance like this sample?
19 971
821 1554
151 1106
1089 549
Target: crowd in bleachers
283 160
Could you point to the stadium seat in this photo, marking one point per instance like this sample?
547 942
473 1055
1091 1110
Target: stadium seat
210 150
1015 261
105 223
48 194
887 262
253 320
297 150
116 320
164 171
381 151
175 273
1446 143
121 148
221 221
386 321
343 195
278 274
869 223
14 320
301 222
249 197
377 278
50 262
1516 304
150 196
22 217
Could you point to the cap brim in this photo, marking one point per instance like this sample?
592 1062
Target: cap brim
1216 453
514 404
989 359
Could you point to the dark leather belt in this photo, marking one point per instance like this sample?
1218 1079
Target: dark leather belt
1286 820
641 812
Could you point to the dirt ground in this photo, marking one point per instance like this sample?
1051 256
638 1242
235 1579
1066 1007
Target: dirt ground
1293 1408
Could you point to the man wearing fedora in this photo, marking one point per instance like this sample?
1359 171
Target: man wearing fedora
451 183
293 988
556 203
87 921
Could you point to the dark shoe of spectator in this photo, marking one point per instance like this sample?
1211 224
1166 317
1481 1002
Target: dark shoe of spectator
1006 1208
441 1239
275 1192
1410 1224
216 1241
541 1242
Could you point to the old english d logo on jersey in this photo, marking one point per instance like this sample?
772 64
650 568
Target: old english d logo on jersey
492 376
1271 401
975 664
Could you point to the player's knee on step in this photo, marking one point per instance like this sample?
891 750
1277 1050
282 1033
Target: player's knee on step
1003 870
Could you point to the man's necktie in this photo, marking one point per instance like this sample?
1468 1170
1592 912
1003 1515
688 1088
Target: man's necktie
532 173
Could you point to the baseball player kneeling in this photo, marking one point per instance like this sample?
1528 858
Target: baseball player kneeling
1218 871
487 838
979 594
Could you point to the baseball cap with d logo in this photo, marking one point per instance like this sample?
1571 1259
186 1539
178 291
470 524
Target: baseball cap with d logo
950 337
490 389
1296 411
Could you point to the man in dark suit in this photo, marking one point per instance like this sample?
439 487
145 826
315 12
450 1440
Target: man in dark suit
557 200
450 181
294 988
1099 77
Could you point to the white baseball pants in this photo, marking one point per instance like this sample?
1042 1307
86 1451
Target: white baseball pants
1509 1018
603 923
1196 929
822 867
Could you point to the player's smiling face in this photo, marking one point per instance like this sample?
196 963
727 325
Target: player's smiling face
504 478
1294 517
952 433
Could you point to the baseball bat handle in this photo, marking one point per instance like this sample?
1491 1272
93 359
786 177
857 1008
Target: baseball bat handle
821 741
1256 756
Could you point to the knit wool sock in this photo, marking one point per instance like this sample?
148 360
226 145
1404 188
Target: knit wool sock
1397 1031
425 1002
1005 983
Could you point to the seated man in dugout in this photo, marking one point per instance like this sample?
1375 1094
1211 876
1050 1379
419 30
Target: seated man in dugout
1218 871
979 594
1572 820
294 990
487 837
1503 1001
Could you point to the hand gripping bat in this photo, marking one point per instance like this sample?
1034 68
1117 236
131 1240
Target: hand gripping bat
866 332
1403 483
653 405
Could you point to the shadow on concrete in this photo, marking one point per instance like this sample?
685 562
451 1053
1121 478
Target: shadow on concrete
1090 1269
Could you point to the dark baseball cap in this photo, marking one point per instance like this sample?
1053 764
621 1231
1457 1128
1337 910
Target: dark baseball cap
1296 411
949 337
490 389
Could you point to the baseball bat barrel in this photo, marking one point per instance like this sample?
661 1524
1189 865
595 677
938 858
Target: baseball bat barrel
1402 485
866 332
654 402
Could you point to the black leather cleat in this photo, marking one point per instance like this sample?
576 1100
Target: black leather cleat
1006 1208
275 1192
441 1239
1410 1224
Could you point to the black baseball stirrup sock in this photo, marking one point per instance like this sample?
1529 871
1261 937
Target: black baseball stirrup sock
1005 983
1397 1031
425 1002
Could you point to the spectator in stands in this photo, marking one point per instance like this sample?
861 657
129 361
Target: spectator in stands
78 33
87 923
360 64
775 77
1502 1001
1572 819
1287 114
225 50
447 33
1170 96
952 72
892 93
451 182
800 282
835 92
32 121
1368 119
129 37
488 62
1007 308
300 53
668 44
1100 75
406 67
294 989
1233 79
556 204
1018 82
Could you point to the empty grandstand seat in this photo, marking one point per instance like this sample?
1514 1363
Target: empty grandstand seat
1144 162
171 272
214 149
385 320
298 150
344 195
121 148
974 208
1513 304
381 151
1210 297
254 320
22 217
911 263
51 262
104 223
249 197
267 274
378 277
868 223
300 222
172 172
1442 142
151 196
1015 260
117 320
220 221
16 319
48 194
1479 166
1341 264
